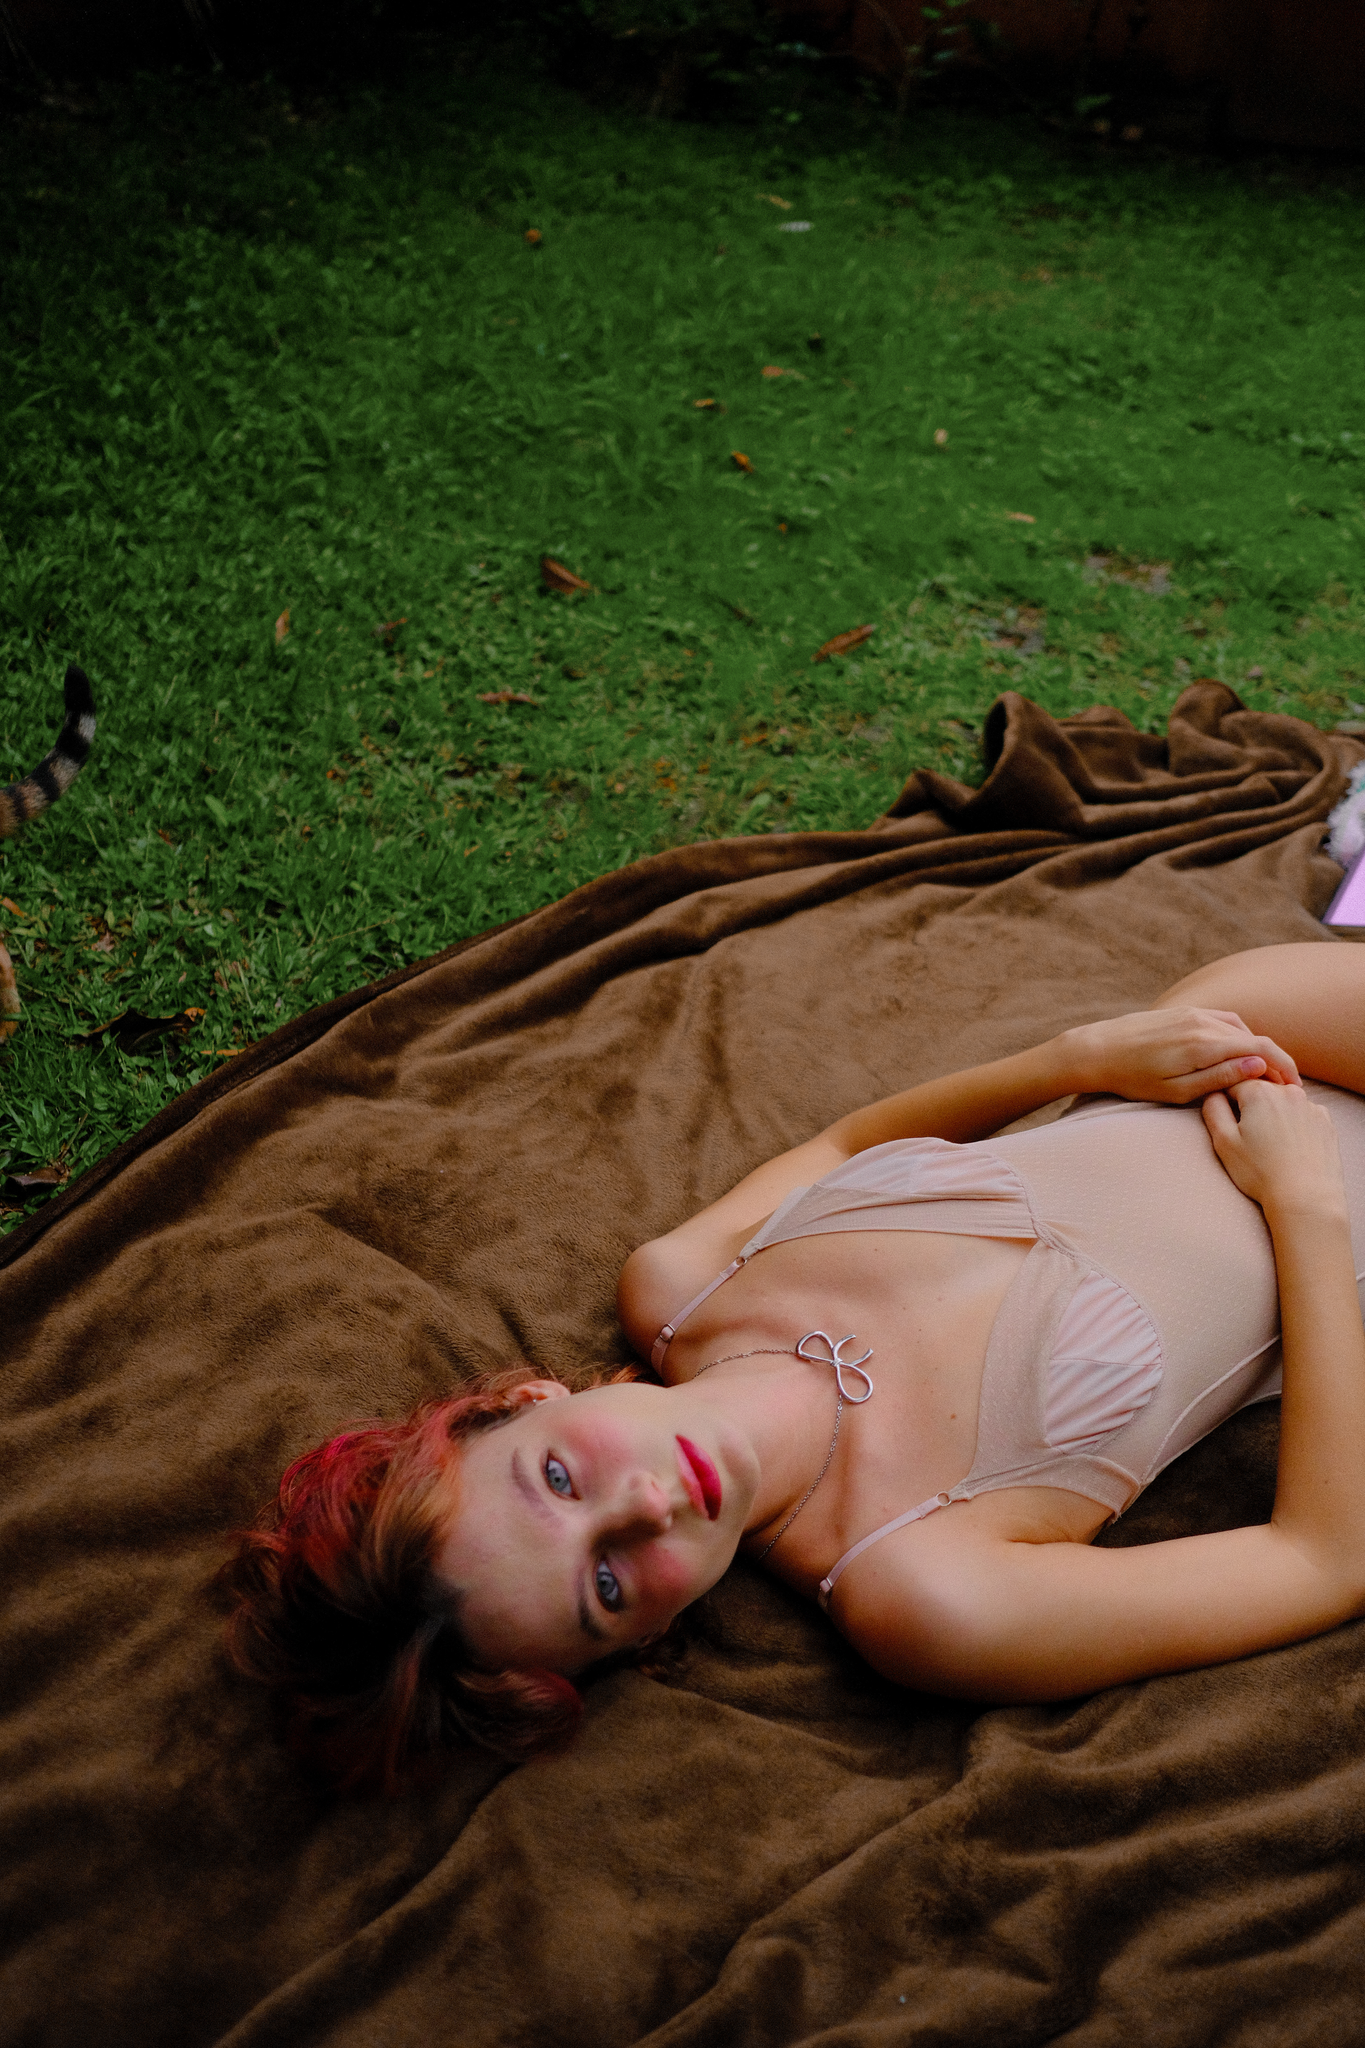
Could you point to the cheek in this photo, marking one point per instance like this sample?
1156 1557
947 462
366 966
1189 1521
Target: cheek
598 1434
676 1577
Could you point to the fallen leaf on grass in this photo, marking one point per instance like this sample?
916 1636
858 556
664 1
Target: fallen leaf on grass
105 944
161 833
843 643
707 405
940 437
21 1187
741 462
507 697
282 627
772 370
533 238
555 576
9 903
1026 518
773 200
386 630
133 1031
10 1008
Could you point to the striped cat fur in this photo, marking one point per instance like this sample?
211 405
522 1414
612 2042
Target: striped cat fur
20 802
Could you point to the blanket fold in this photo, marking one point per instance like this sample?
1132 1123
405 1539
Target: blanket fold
445 1170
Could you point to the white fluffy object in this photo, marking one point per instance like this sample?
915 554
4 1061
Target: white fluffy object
1346 826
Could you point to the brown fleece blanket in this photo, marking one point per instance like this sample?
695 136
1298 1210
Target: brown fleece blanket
447 1170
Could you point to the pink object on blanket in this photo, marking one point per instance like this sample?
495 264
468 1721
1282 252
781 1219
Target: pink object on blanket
1348 905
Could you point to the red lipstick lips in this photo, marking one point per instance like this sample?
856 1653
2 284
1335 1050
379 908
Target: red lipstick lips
697 1468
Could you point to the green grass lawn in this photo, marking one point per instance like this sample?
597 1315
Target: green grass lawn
258 358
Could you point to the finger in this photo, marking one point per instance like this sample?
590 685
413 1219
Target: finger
1271 1096
1227 1074
1279 1066
1222 1124
1243 1092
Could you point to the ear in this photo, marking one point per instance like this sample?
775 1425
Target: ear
537 1390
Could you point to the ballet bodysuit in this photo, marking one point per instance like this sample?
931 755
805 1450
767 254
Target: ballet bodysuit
1145 1313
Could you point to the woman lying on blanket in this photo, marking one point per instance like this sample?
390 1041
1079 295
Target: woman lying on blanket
955 1360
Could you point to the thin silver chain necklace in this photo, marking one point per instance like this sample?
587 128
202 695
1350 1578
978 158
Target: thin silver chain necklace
841 1366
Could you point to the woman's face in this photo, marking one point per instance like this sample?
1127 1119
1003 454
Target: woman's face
588 1522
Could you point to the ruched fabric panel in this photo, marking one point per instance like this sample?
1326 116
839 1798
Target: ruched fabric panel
1105 1367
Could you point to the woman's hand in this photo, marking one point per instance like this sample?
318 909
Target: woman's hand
1280 1150
1169 1055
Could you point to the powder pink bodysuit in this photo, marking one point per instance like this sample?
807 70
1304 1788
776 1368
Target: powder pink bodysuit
1145 1314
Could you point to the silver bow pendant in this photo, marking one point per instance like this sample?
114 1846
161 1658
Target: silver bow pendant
834 1356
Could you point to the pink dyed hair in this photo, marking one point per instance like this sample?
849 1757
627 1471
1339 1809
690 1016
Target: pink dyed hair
337 1610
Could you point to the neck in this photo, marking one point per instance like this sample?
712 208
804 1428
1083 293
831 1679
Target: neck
786 1407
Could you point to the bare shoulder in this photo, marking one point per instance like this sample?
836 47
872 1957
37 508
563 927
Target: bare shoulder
661 1277
648 1291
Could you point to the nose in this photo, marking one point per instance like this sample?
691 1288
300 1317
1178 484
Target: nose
641 1506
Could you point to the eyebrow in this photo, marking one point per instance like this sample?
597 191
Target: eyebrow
532 1493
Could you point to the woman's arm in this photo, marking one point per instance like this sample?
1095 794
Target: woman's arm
1283 1154
1166 1055
1151 1056
976 1611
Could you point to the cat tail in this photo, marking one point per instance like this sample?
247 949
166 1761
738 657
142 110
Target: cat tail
55 773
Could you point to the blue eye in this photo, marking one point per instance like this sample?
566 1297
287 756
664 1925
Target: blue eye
607 1587
557 1479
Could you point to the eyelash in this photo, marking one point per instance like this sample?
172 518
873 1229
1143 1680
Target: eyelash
613 1601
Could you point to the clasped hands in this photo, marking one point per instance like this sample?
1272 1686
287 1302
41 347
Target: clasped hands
1169 1056
1278 1148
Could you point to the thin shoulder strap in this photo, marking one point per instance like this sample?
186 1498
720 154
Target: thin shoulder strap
758 1242
670 1330
926 1507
